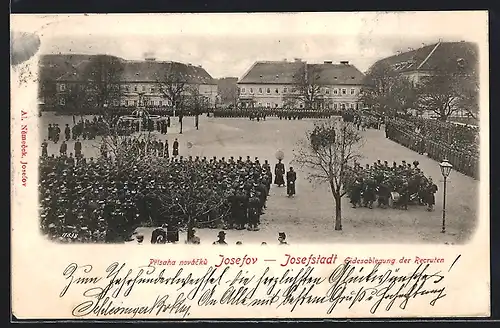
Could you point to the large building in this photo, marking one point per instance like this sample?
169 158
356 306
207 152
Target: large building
447 57
140 82
272 84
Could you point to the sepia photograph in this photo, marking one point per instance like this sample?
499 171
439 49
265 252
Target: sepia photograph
258 139
344 156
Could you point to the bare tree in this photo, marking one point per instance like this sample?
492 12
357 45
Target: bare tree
196 102
442 94
327 153
173 86
192 196
103 76
378 83
306 88
403 95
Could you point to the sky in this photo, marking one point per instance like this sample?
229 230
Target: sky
228 44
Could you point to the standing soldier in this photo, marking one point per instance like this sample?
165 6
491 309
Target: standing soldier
431 198
63 149
56 132
175 151
279 171
291 177
253 212
67 132
78 148
44 148
50 132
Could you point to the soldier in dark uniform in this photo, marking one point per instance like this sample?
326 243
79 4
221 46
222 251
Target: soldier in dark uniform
175 151
291 177
56 132
355 193
67 132
63 149
279 172
221 239
369 193
159 236
78 148
253 212
50 135
44 148
431 197
383 194
282 238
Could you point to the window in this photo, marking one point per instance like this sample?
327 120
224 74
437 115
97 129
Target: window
161 103
135 88
62 101
335 106
62 87
268 104
152 90
285 90
268 90
353 91
259 104
143 88
344 91
335 91
351 106
251 90
276 91
135 102
327 91
260 91
242 90
301 105
275 105
342 106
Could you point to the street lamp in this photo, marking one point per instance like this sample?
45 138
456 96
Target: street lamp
445 171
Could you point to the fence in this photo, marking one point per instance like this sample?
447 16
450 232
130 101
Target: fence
462 161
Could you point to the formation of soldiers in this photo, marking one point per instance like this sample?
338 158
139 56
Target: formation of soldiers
424 141
283 114
387 185
101 200
455 136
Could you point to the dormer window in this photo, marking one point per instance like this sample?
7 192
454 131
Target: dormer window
62 87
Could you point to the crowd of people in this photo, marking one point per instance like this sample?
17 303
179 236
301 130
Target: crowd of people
460 137
103 200
386 185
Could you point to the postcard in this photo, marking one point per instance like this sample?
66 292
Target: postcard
250 166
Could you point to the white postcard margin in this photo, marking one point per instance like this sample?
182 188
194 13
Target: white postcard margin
38 266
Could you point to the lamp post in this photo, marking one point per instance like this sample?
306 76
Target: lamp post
445 171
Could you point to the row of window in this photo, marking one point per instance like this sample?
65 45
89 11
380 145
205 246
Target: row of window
62 102
336 91
62 87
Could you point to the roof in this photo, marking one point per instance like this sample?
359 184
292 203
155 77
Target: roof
437 56
51 67
72 67
284 72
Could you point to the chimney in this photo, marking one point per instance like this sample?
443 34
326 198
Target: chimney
150 59
327 62
298 60
344 62
398 52
410 49
285 60
423 44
